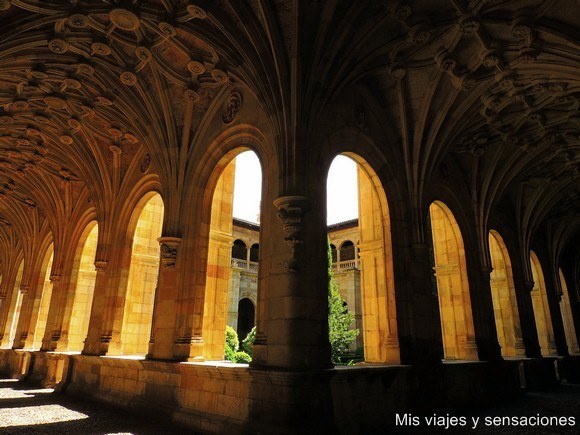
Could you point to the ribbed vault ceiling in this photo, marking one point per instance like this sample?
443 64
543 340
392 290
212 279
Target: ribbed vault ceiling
489 87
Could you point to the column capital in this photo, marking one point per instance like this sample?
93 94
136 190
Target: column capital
24 289
101 266
54 279
169 247
291 211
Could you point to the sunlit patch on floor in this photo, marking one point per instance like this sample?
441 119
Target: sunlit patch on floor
34 415
9 393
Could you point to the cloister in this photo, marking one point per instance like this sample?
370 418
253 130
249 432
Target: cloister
120 124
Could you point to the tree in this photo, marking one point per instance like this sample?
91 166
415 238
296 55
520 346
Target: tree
339 318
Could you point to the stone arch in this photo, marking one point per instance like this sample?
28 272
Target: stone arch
377 285
567 318
84 274
347 251
15 304
541 308
503 294
219 254
239 250
254 252
45 296
144 229
246 317
456 314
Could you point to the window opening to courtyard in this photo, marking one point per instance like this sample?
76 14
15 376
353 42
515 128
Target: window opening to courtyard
85 286
542 309
507 320
359 232
567 319
142 281
233 253
458 334
44 303
15 305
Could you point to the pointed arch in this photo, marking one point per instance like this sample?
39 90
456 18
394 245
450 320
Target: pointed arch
144 229
567 318
85 277
507 319
542 309
452 285
44 302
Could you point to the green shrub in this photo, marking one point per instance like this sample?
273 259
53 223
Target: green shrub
242 358
248 342
232 343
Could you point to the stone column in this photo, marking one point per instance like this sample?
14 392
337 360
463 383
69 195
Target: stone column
24 321
554 298
100 334
166 301
52 331
234 295
523 290
7 314
294 275
423 344
216 294
488 347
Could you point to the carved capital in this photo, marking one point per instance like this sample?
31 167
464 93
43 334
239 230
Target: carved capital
54 279
291 211
101 266
168 249
24 289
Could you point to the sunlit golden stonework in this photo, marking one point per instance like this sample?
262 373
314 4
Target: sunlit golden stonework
121 264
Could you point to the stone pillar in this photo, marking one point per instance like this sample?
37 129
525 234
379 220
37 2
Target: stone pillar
9 305
52 331
216 294
234 295
523 290
488 347
101 338
166 301
294 276
554 299
422 344
25 323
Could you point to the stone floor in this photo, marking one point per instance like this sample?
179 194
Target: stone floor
29 410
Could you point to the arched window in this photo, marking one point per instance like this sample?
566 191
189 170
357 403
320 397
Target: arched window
239 250
507 319
567 319
452 285
356 200
255 252
246 317
236 194
333 253
85 274
542 309
142 282
347 252
44 303
15 305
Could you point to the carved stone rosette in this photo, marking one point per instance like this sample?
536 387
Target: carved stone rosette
291 211
168 250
